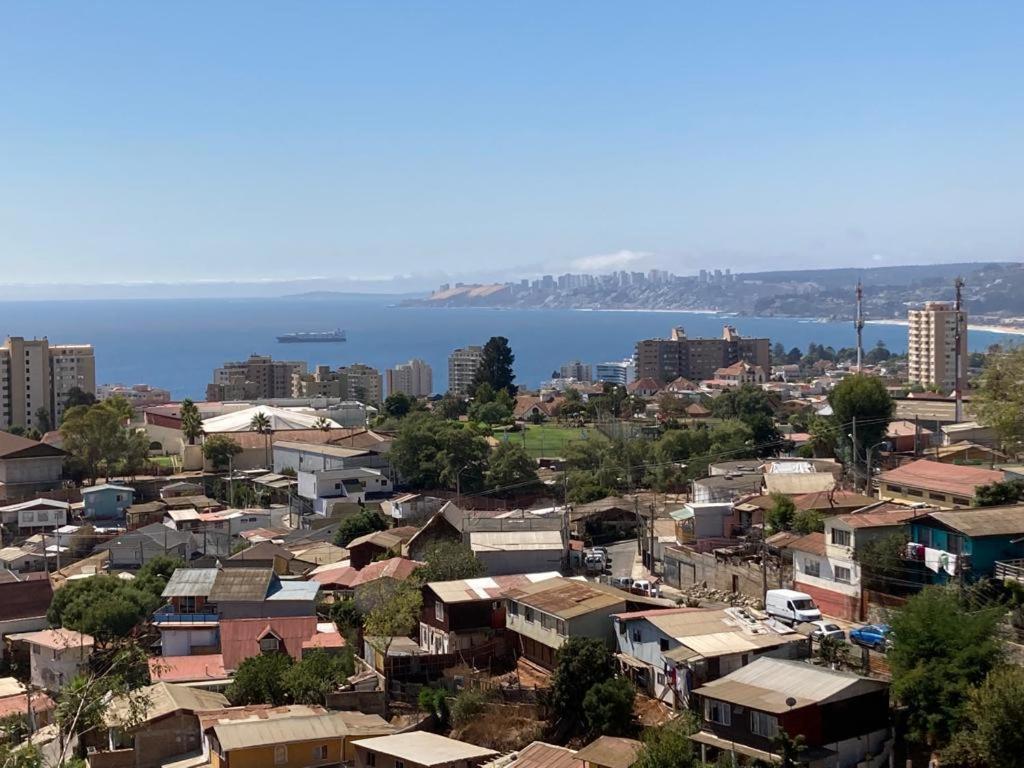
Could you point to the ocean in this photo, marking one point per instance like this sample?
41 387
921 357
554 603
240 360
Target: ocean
176 343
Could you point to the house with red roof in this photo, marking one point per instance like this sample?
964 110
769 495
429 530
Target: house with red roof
936 484
646 387
241 639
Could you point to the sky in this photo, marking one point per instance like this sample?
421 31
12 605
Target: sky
347 143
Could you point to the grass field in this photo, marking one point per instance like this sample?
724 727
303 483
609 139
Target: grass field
550 440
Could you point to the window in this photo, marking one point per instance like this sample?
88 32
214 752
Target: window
936 496
635 635
270 644
840 538
812 567
529 616
399 763
915 492
961 502
371 759
280 754
954 543
320 752
842 574
513 608
439 610
717 712
660 678
560 626
663 643
764 725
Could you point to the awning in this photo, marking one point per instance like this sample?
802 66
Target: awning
631 661
809 754
682 514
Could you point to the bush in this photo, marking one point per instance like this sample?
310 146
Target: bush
608 707
435 701
468 705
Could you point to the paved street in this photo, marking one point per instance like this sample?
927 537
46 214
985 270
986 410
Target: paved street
622 555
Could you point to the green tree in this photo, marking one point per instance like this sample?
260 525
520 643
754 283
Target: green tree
77 396
864 398
807 521
260 423
448 561
153 576
991 734
998 399
346 615
940 651
218 450
260 680
430 452
744 403
309 680
999 494
395 612
669 746
451 406
580 664
608 707
95 435
135 454
363 522
103 606
43 422
780 516
510 467
397 405
834 652
496 366
191 421
435 702
788 748
468 706
881 561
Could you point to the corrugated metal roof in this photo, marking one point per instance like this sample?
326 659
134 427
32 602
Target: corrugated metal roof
486 588
812 543
987 521
933 475
542 755
293 590
423 748
495 541
335 725
241 584
765 684
190 582
568 598
811 482
163 699
611 752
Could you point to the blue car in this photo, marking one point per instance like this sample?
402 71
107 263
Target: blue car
876 636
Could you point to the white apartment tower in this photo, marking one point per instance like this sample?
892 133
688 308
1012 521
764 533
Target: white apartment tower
34 375
574 369
414 378
931 347
462 367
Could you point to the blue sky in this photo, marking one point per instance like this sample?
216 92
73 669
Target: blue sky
257 140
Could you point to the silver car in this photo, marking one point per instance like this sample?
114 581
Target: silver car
827 629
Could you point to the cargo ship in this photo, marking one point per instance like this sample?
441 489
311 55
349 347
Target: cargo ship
312 336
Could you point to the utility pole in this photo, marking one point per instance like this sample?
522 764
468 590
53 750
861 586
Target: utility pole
858 324
650 557
853 436
958 284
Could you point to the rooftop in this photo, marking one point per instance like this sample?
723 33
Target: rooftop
568 598
812 543
423 748
711 632
977 523
951 478
247 584
191 582
505 541
799 482
57 639
485 588
542 755
187 669
162 699
611 751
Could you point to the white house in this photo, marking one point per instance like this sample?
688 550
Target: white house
507 552
234 521
324 487
21 560
57 656
36 514
823 563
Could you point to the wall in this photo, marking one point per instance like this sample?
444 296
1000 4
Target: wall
299 755
14 626
181 642
40 471
521 561
52 669
686 568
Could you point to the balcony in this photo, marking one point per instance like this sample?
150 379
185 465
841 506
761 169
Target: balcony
166 616
1009 570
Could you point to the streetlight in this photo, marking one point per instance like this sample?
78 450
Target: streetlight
885 443
458 480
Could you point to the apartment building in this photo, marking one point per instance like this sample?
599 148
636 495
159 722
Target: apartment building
462 367
931 347
139 395
34 375
621 372
414 378
353 382
259 377
574 369
666 360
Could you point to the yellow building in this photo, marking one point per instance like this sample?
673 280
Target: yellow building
309 741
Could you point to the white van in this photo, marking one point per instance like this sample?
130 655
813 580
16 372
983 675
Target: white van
790 606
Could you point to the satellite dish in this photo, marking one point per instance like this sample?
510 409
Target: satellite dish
790 702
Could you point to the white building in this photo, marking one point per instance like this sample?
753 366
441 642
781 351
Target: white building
931 346
462 367
620 372
574 369
414 378
57 656
39 376
507 552
36 514
139 395
325 487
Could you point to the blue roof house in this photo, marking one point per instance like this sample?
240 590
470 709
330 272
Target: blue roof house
972 543
106 501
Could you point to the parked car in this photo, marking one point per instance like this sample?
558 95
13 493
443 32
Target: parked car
594 563
600 551
622 582
646 588
876 636
790 606
827 629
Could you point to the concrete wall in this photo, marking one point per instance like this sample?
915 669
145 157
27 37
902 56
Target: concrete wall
520 561
52 669
180 642
685 568
296 755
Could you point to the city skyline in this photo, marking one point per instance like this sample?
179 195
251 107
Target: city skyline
355 143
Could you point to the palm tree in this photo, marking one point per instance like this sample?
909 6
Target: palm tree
260 423
191 421
324 425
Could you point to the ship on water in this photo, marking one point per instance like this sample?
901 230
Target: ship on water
305 337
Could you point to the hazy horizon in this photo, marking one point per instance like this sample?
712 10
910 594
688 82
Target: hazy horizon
345 144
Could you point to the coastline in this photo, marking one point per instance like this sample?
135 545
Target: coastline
1009 330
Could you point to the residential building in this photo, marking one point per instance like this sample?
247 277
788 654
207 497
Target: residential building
574 369
418 749
843 718
462 367
134 549
644 387
107 501
270 554
364 584
539 754
970 544
669 652
352 382
366 449
458 615
411 507
57 656
326 487
824 566
241 639
545 614
28 467
610 752
620 372
16 701
166 727
935 484
970 431
290 741
36 376
139 395
740 373
665 360
35 515
725 488
931 346
908 437
707 525
365 549
414 378
24 601
259 377
507 552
